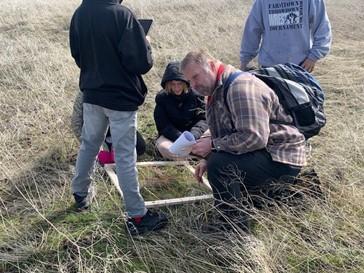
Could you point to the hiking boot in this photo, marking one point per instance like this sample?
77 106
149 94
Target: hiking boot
236 222
84 202
241 221
151 221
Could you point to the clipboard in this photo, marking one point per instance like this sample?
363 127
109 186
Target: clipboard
146 24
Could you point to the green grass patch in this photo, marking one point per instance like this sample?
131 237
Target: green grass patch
165 182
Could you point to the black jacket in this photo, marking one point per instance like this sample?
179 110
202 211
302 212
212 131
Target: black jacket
109 45
175 114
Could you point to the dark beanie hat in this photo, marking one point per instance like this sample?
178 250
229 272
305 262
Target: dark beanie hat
173 73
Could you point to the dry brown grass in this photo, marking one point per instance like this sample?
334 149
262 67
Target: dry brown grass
38 81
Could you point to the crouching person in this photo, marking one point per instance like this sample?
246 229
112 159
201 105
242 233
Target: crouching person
177 109
246 150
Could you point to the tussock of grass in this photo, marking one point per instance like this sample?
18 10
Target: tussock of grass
39 230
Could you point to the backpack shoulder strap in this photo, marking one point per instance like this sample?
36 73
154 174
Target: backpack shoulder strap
226 86
227 83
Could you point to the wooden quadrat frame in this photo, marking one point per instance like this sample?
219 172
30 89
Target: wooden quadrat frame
110 170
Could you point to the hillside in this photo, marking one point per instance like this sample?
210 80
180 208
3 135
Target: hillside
39 232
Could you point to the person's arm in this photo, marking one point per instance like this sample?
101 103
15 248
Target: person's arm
250 106
320 29
202 147
74 42
308 64
200 169
252 35
200 125
134 48
199 128
162 121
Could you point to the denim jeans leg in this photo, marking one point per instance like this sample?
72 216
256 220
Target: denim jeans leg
123 134
92 136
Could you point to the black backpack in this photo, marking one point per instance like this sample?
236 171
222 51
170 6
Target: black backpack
299 93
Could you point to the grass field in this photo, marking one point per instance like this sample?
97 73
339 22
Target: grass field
39 232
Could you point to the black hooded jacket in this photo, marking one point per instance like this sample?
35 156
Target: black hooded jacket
109 45
174 114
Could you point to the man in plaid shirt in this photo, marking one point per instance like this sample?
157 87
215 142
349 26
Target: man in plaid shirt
245 151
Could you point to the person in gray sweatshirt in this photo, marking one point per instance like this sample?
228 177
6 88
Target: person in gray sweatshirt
286 31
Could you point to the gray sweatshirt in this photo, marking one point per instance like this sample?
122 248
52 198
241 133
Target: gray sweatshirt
282 31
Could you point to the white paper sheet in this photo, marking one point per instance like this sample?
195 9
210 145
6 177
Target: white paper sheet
183 145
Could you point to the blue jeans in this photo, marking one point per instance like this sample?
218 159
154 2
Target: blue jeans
123 134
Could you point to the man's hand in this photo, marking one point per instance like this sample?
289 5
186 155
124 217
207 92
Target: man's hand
308 64
200 170
202 147
243 66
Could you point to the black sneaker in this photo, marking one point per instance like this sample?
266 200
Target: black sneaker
82 202
238 222
225 223
151 221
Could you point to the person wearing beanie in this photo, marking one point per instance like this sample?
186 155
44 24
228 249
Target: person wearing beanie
177 109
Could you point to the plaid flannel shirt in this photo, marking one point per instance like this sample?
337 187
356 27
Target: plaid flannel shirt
244 125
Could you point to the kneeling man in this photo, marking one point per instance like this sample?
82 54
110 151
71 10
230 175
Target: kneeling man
246 150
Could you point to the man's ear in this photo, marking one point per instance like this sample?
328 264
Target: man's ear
212 65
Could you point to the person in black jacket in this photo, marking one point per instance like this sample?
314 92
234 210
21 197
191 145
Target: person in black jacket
111 50
177 109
